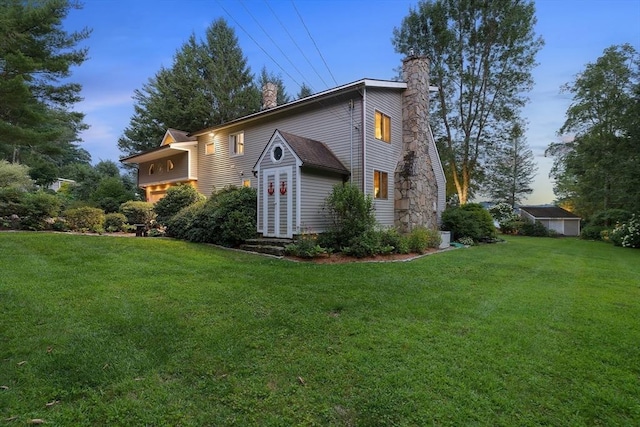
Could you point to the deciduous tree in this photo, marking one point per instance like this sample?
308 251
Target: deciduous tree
482 53
599 167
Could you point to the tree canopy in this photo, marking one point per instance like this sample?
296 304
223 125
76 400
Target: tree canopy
208 84
37 125
597 168
482 54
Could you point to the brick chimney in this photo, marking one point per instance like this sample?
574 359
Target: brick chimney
269 96
415 181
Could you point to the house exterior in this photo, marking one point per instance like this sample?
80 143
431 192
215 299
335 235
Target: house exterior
372 133
553 218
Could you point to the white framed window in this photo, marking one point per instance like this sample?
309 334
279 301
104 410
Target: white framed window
236 144
209 148
383 127
380 185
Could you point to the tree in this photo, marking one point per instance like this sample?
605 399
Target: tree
510 174
36 55
597 168
304 91
14 175
482 54
208 84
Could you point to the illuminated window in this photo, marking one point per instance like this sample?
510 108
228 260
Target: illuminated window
383 127
209 148
152 169
246 183
380 185
169 165
236 144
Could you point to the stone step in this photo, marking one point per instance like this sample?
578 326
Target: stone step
263 249
269 241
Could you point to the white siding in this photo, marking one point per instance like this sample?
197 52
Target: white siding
317 186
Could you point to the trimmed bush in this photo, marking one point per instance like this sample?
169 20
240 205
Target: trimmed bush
177 197
391 237
180 225
592 232
533 229
469 220
85 219
305 246
138 212
115 222
228 218
39 209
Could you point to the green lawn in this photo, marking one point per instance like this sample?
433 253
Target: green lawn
126 331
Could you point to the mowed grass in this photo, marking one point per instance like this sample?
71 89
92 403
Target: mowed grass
98 330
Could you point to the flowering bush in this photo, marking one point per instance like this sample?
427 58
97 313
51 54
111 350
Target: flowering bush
627 234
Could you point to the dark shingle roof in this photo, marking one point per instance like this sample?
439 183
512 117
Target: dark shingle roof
314 154
547 212
181 136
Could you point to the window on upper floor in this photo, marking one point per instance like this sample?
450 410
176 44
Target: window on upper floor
209 148
383 127
380 185
236 144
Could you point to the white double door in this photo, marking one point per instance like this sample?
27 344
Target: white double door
277 198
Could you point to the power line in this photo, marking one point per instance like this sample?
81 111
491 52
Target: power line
298 46
314 42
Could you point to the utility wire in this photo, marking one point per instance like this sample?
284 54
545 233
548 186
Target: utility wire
257 44
314 42
298 46
272 41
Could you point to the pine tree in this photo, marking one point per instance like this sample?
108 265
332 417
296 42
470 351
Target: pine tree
36 54
209 83
304 91
509 176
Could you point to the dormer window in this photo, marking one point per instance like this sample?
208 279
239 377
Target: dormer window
383 127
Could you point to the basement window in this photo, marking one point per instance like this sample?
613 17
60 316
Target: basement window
383 127
380 185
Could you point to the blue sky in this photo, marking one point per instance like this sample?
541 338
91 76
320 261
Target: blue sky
132 39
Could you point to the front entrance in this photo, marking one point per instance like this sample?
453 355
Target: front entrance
277 200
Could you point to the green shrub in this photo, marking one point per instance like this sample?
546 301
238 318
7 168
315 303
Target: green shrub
501 211
176 198
627 234
11 201
533 229
422 238
366 244
305 246
85 219
138 212
391 237
39 209
511 224
115 222
227 218
592 232
351 214
469 220
180 225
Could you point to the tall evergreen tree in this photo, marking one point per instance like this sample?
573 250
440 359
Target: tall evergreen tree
511 172
304 91
209 83
482 53
36 54
600 168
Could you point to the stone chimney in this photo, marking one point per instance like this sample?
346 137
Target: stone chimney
269 96
415 181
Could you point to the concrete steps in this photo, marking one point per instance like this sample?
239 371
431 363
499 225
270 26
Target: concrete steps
266 245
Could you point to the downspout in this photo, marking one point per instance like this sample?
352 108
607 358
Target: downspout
364 139
351 142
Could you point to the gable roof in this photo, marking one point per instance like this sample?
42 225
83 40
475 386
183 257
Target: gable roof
318 97
177 136
548 212
313 154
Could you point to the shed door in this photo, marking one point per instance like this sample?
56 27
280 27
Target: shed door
277 202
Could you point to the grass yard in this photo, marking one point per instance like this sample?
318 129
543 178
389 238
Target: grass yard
98 330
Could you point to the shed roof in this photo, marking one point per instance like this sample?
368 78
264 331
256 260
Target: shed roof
314 154
548 212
